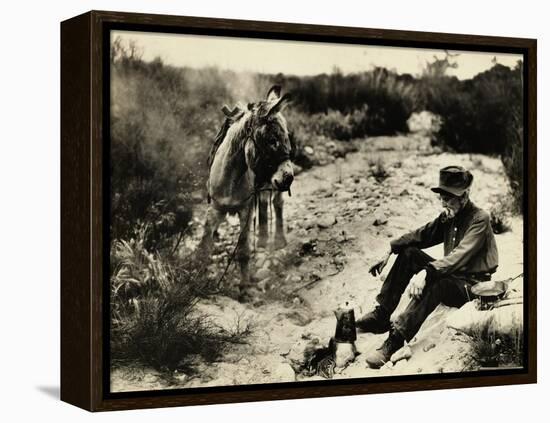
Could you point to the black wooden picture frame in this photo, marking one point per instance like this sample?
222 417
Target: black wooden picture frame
84 189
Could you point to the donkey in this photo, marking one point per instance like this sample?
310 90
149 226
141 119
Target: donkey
252 154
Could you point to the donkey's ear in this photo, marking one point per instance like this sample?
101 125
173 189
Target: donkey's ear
231 113
226 111
274 93
280 105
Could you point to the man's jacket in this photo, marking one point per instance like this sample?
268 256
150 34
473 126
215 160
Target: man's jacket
469 243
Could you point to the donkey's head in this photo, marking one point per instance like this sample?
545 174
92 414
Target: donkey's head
268 152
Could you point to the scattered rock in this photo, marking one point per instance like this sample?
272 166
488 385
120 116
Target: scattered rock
308 150
296 279
388 365
428 347
345 195
341 238
326 221
262 274
150 378
380 218
283 373
180 377
264 285
205 378
402 354
309 224
308 247
260 262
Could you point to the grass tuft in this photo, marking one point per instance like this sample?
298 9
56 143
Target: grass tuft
154 315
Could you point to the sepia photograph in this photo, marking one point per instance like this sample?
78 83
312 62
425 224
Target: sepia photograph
285 211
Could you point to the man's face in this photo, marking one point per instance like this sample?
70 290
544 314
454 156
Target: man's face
451 204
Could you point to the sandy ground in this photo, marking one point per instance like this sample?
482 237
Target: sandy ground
333 239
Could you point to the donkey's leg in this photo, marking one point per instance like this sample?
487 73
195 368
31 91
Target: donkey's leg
213 219
280 240
262 219
243 246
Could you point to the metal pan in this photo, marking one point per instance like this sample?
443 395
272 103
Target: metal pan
489 293
490 289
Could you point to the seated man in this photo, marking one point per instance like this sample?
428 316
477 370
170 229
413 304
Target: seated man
470 256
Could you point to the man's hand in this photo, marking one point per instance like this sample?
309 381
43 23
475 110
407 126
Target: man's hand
377 268
417 284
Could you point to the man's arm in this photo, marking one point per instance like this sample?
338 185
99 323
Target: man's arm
424 237
473 240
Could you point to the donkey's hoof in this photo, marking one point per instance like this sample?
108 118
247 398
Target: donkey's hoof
279 242
262 242
245 296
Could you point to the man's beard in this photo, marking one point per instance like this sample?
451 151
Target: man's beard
448 213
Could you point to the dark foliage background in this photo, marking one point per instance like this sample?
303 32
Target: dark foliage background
164 120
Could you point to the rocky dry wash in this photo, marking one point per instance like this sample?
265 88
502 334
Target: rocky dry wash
340 218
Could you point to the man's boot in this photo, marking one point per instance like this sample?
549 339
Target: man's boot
377 321
382 355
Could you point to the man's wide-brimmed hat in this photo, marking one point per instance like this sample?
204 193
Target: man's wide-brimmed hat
454 180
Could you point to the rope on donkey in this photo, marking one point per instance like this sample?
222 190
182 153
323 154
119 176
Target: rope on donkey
254 194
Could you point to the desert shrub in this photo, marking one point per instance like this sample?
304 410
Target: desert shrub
154 314
512 156
377 168
500 212
359 122
476 113
389 97
391 100
492 349
165 330
135 271
332 124
499 220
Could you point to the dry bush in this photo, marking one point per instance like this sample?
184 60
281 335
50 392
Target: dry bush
165 331
492 349
378 168
500 213
512 158
154 315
